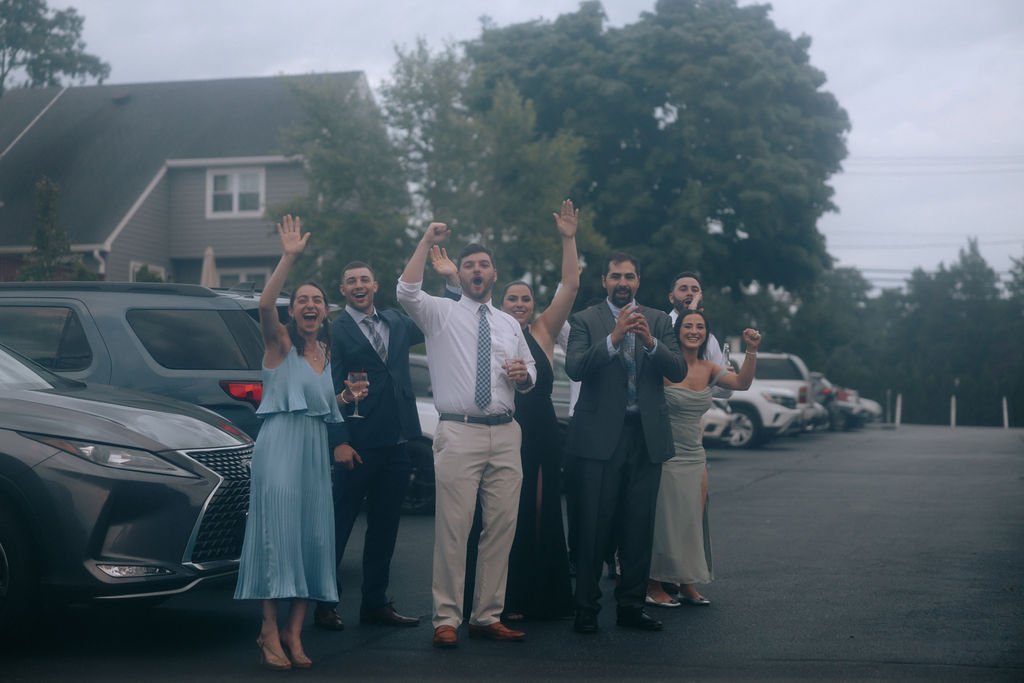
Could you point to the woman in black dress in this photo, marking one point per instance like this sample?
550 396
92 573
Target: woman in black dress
538 571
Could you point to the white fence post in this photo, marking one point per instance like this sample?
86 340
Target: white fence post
1006 415
899 409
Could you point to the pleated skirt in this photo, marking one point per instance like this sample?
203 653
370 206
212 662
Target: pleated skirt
288 550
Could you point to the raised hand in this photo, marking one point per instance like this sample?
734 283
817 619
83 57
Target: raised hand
567 221
752 339
436 233
697 303
441 263
292 239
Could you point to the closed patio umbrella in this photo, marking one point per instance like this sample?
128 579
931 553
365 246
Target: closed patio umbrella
209 277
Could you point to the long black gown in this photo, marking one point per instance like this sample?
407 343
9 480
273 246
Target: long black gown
538 569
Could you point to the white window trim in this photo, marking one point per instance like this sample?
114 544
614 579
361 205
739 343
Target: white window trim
233 172
243 272
136 266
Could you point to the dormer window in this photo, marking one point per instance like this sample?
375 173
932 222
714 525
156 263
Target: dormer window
235 192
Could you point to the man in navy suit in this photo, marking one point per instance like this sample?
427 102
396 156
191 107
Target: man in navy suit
373 463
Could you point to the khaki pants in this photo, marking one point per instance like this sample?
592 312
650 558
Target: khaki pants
471 459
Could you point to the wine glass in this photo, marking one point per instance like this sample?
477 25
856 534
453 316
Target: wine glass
355 378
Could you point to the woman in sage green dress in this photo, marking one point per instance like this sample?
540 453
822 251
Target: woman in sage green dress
681 552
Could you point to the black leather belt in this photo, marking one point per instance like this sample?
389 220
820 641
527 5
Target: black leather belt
492 420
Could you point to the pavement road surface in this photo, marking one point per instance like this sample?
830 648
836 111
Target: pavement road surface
868 555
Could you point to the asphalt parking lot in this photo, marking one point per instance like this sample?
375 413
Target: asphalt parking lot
868 555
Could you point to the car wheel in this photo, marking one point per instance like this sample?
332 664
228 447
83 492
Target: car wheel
419 497
17 572
746 429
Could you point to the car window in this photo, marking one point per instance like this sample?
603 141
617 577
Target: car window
420 376
198 339
777 368
50 335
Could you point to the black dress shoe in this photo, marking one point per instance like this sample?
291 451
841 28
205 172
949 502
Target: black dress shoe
385 616
635 617
328 618
586 621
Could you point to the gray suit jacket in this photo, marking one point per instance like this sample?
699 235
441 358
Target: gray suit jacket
601 408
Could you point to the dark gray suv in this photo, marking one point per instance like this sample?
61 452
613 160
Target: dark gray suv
111 494
181 341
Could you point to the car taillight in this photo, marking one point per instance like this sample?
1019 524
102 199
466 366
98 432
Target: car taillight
803 395
250 392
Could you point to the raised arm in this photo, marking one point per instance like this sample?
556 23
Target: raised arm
549 323
434 234
741 381
276 342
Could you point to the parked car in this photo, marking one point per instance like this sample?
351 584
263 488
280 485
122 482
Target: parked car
111 494
181 341
843 405
717 422
784 371
763 413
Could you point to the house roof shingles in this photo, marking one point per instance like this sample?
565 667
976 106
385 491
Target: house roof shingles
104 144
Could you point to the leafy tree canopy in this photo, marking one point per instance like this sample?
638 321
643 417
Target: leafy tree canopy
43 45
708 139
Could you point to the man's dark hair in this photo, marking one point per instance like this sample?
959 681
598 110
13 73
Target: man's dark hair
475 248
680 276
352 265
619 257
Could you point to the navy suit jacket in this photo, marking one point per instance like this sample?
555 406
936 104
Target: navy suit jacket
390 407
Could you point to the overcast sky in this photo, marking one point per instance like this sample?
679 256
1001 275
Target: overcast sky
934 90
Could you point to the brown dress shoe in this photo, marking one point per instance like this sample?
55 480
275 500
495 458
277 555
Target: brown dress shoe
385 616
496 631
444 636
328 618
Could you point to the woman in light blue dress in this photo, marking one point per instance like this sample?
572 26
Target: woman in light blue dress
681 552
288 550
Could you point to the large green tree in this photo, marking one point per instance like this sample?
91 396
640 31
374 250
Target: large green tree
43 45
357 206
709 138
486 171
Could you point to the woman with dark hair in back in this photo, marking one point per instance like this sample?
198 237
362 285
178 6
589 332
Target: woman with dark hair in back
288 552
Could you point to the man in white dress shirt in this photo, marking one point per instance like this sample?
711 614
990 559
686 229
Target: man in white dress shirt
478 358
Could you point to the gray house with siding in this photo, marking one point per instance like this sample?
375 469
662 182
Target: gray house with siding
151 174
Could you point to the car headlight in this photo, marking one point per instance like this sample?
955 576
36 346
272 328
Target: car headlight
120 457
778 399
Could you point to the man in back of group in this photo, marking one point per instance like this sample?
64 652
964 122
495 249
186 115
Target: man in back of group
685 295
373 464
477 357
620 436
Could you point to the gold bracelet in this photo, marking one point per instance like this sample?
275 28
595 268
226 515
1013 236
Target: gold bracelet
754 354
342 394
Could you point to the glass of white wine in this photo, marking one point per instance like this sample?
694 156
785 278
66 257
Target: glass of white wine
355 378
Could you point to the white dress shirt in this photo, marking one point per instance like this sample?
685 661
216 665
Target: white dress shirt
451 329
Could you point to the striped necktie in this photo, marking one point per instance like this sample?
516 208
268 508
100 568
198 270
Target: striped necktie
376 339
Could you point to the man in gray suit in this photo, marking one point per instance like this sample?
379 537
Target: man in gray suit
620 434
